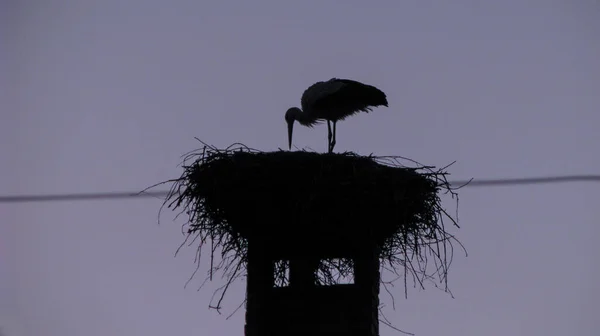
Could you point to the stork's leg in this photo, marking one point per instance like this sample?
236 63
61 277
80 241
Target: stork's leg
333 137
329 135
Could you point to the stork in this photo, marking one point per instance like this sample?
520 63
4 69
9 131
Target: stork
333 100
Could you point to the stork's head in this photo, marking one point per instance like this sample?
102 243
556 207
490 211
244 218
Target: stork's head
290 116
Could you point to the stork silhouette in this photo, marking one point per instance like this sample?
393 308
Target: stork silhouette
333 100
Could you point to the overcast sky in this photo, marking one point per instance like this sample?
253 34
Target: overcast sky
107 95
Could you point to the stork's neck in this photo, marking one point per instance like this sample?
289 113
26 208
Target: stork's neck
301 116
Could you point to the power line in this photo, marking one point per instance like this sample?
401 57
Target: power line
163 193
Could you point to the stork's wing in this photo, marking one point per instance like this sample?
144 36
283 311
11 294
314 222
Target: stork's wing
349 96
320 91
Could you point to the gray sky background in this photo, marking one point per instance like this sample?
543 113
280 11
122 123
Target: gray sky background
107 95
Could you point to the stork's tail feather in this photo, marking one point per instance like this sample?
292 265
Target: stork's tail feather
374 97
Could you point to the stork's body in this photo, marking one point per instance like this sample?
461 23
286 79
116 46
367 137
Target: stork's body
333 100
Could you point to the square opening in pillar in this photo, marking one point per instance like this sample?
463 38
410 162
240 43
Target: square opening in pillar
336 271
282 273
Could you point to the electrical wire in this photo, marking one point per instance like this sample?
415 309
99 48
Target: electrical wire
163 193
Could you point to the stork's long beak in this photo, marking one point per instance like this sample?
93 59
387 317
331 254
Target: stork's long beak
290 130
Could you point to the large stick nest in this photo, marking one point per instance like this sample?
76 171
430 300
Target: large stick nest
304 204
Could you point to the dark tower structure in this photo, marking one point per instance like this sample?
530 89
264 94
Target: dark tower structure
304 307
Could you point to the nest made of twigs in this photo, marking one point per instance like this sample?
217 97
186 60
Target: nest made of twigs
324 205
